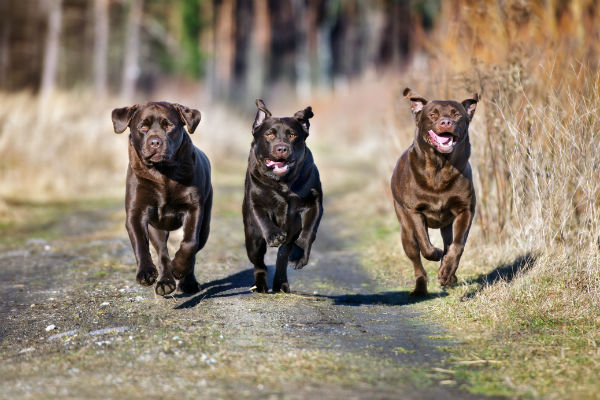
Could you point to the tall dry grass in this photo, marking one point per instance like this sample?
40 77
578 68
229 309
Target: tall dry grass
537 141
536 160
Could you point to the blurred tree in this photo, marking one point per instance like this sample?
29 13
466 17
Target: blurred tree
4 44
244 19
241 48
101 47
258 51
54 10
131 69
191 24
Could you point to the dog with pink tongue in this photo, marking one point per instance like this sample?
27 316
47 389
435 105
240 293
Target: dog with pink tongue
432 186
283 199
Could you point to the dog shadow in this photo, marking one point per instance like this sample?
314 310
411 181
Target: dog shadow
224 287
506 272
227 287
389 298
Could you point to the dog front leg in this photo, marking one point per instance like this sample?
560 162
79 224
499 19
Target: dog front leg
280 281
273 235
137 228
460 229
310 223
185 257
429 251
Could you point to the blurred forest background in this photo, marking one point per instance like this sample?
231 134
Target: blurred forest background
237 48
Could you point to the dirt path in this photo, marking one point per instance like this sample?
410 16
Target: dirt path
75 324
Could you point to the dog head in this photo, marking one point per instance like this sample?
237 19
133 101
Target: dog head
279 143
442 124
157 128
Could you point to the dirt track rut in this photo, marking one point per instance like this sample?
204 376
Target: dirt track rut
75 324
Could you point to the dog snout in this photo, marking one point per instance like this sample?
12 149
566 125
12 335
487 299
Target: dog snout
155 142
282 151
446 124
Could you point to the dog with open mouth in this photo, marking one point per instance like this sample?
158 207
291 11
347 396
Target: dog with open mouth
283 199
432 186
168 187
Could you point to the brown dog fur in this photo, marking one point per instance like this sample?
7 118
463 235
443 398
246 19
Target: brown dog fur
432 186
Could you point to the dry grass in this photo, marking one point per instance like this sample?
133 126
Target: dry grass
63 147
529 296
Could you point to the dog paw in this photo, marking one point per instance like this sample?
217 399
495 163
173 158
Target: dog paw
448 281
420 288
434 255
276 239
180 270
164 287
298 257
188 285
299 264
260 288
147 276
283 288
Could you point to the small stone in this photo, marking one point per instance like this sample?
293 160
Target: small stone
448 382
50 327
27 350
104 304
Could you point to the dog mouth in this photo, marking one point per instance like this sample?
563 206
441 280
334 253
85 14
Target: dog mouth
157 157
280 167
444 141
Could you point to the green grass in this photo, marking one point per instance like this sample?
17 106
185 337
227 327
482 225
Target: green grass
518 338
39 220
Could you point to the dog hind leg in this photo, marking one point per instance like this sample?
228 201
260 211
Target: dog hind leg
256 247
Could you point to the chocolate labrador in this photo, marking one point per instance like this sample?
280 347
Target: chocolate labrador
283 200
168 187
432 186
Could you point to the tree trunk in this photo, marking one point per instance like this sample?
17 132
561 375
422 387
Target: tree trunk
242 41
223 46
4 48
48 83
101 47
302 56
131 68
259 51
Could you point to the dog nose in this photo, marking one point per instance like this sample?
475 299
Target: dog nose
282 151
446 123
155 142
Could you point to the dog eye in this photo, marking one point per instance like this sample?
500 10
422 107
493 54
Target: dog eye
433 115
270 135
144 128
292 135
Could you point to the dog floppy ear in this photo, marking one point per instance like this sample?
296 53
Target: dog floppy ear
471 104
122 116
190 116
261 115
303 116
416 102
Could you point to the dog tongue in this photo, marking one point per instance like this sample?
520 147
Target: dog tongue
443 140
276 164
279 167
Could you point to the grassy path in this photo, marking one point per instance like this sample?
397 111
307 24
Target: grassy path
75 324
